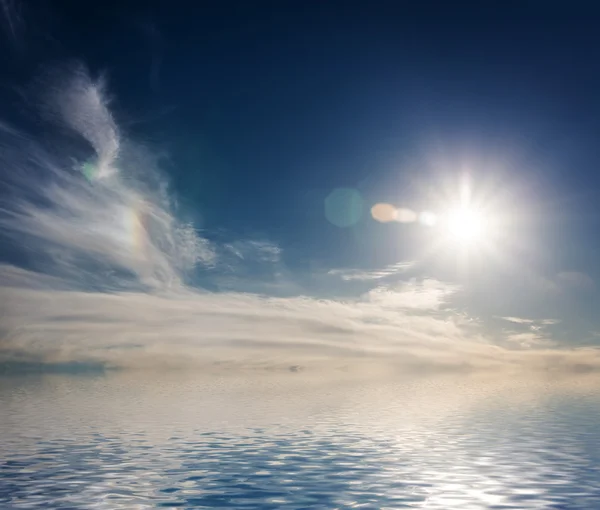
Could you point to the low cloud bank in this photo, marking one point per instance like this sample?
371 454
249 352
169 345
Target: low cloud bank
191 329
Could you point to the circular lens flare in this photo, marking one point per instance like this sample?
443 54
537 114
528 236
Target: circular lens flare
383 213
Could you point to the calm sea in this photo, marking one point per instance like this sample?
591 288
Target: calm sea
140 441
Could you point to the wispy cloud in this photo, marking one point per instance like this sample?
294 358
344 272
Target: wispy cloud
575 280
263 251
531 322
525 333
528 340
102 215
427 295
12 18
363 275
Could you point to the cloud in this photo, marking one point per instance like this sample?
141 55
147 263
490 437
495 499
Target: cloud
362 275
12 19
94 208
518 320
563 284
524 333
201 330
257 251
528 340
531 322
575 280
105 270
426 295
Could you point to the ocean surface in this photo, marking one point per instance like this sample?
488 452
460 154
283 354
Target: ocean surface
141 441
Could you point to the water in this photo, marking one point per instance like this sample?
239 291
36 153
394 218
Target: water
180 441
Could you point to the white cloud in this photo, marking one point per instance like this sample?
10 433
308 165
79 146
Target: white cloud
425 295
529 340
518 320
105 214
191 325
189 328
258 251
526 333
362 275
531 322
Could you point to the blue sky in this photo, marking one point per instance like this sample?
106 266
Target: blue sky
155 157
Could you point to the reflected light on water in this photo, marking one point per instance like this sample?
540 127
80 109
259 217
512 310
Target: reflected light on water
270 442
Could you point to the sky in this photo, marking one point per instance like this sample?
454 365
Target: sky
299 184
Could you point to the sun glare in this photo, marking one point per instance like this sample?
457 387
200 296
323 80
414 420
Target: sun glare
466 225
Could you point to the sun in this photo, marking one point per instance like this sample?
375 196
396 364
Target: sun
466 225
473 225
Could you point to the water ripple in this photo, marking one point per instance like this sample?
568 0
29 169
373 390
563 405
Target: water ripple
480 453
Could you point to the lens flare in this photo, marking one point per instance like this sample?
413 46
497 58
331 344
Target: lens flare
428 218
383 213
343 207
404 215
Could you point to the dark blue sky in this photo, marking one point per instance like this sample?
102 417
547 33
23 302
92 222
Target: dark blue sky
265 107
